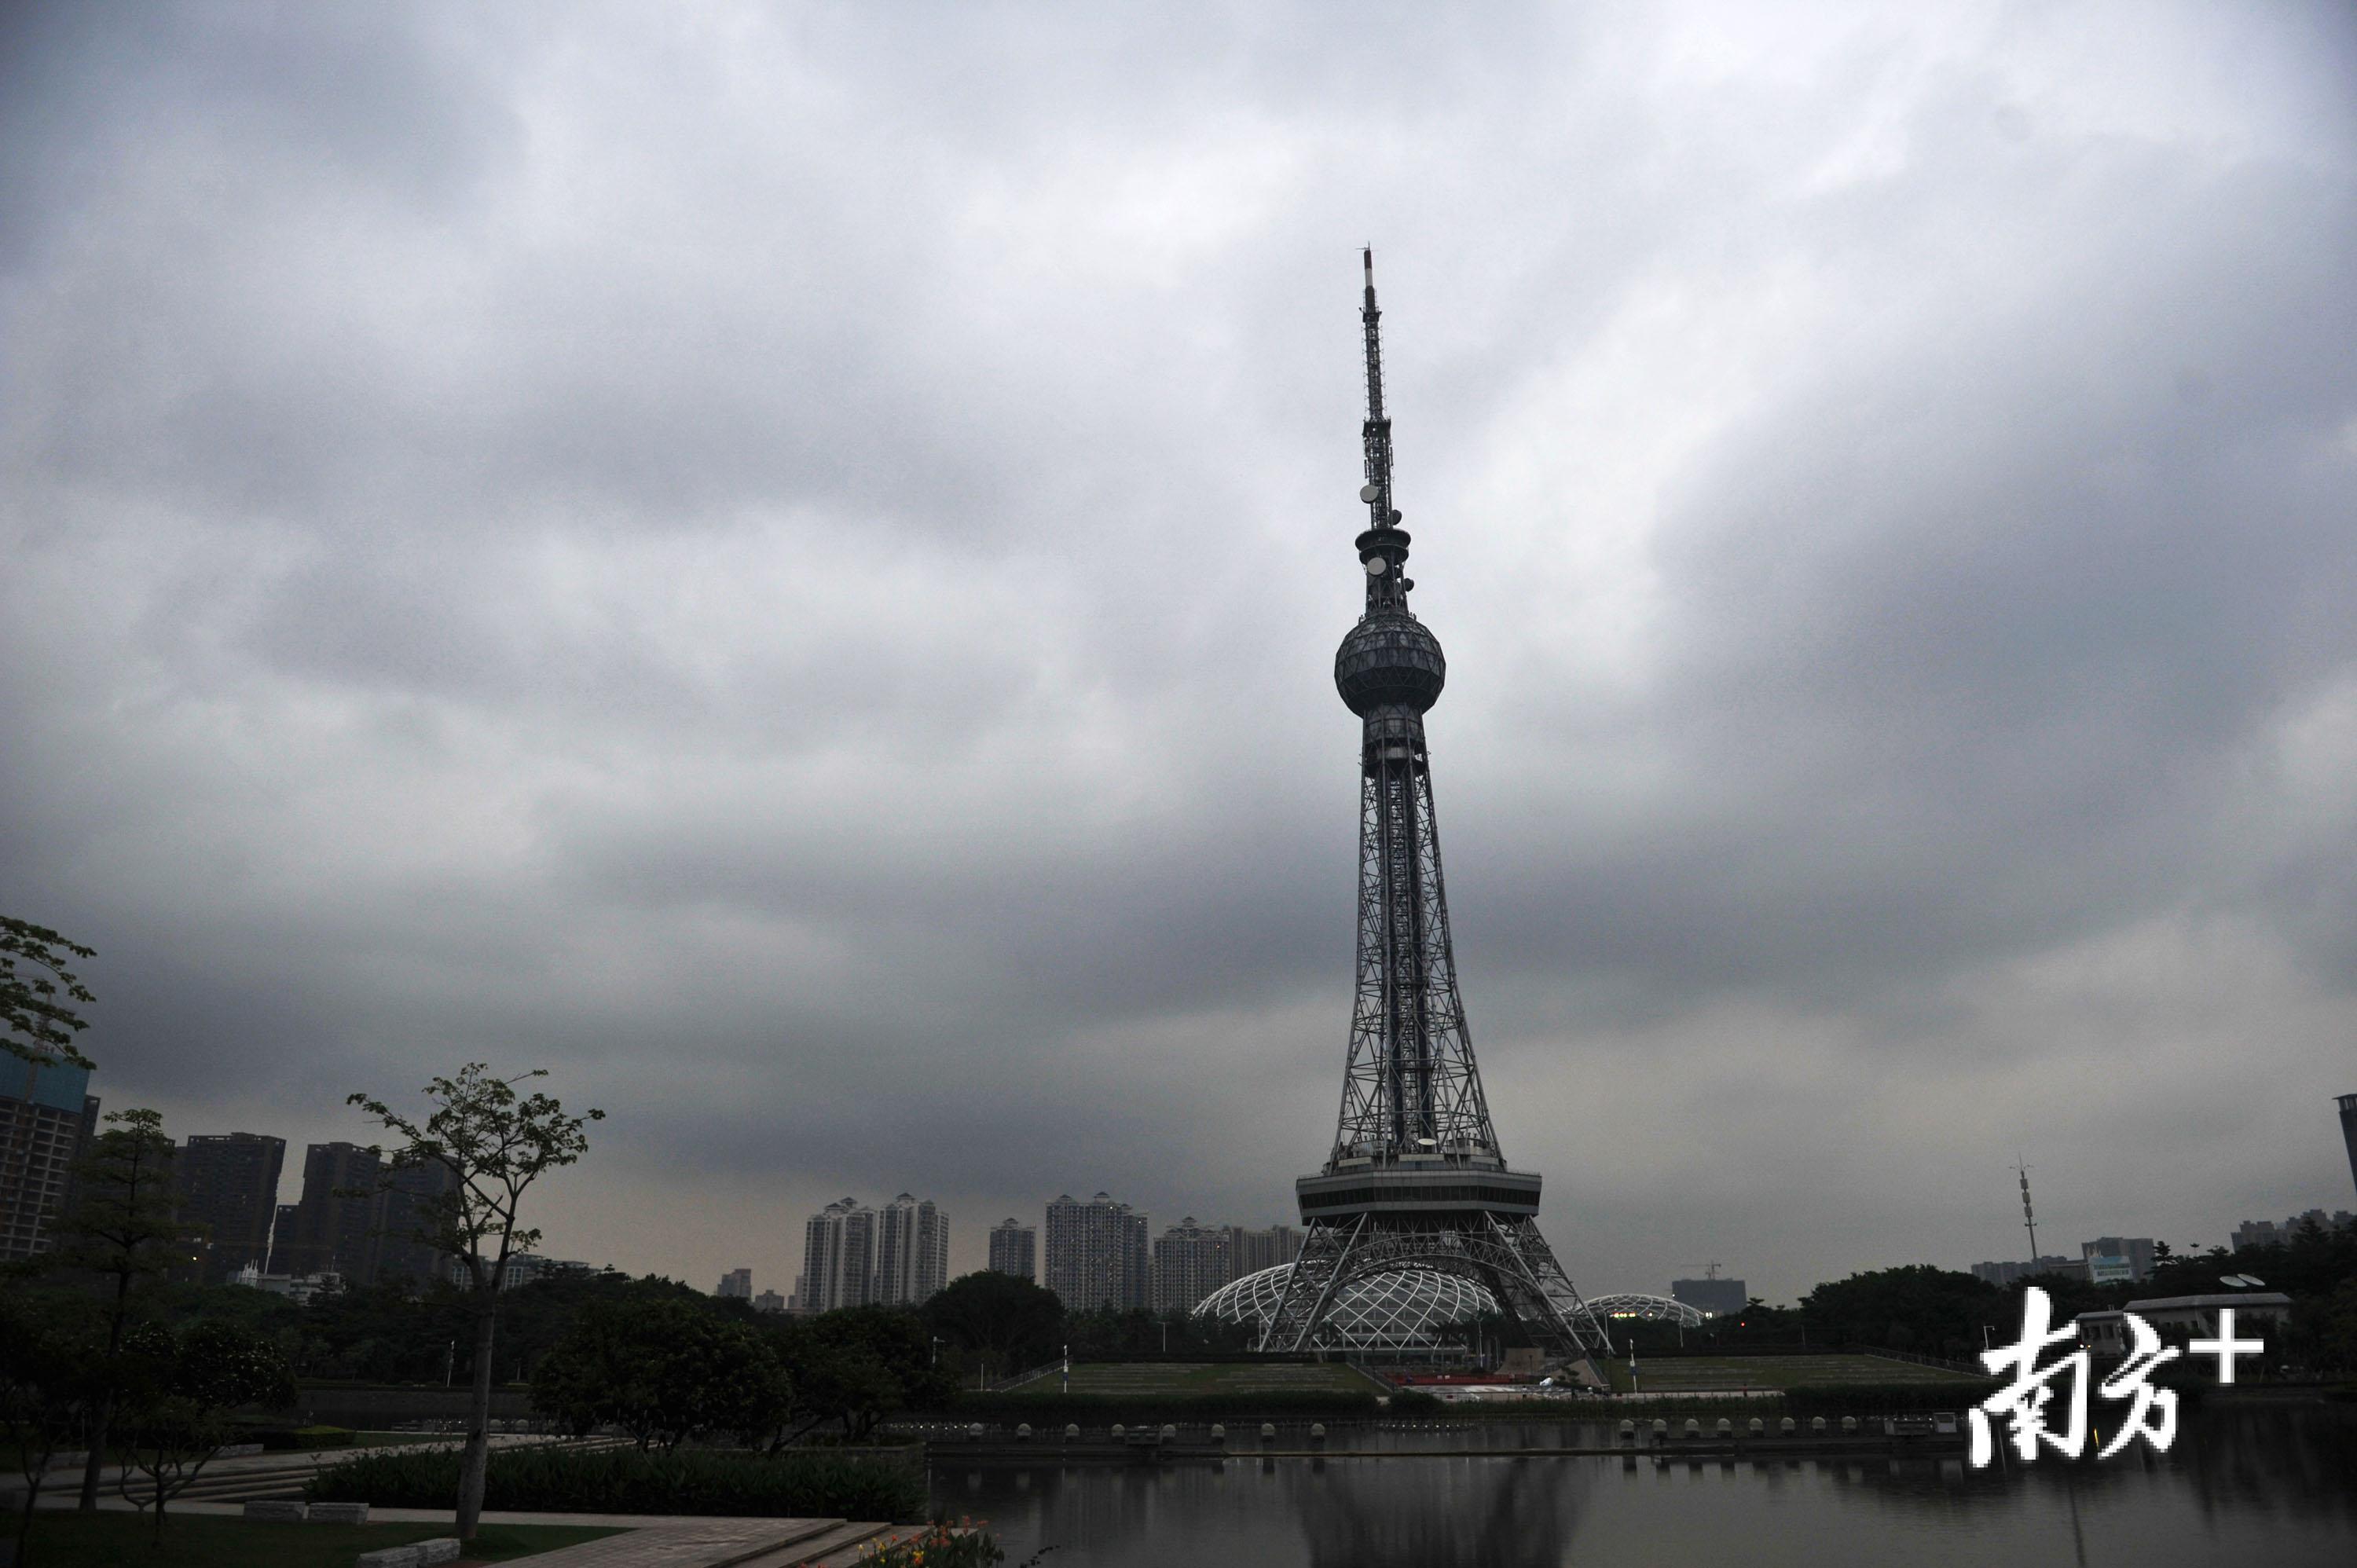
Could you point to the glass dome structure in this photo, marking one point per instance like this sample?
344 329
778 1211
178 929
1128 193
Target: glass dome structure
1401 1310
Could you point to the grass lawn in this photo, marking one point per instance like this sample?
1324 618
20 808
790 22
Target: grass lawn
1150 1379
63 1539
1694 1374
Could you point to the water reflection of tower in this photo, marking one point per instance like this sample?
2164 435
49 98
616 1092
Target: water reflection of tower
1414 1178
1439 1513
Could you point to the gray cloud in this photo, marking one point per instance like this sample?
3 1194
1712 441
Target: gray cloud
784 567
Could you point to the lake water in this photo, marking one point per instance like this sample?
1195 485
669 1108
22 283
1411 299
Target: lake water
2270 1486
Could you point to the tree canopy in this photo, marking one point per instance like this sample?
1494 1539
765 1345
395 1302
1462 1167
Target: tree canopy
1930 1311
37 1023
664 1369
1002 1324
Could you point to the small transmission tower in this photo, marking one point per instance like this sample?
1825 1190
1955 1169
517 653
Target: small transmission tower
2029 1216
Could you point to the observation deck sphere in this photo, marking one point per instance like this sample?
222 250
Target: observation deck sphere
1389 660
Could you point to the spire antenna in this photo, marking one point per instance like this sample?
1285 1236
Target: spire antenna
1376 434
1383 548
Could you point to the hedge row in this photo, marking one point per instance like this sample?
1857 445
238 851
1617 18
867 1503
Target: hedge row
624 1480
277 1435
1014 1404
1880 1399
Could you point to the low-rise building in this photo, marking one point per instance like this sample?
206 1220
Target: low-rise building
2117 1260
1716 1296
298 1288
2004 1275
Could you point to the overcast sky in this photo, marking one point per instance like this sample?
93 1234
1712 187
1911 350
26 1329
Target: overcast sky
782 564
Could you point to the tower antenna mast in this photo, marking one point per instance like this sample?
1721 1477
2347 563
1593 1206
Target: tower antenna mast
1375 436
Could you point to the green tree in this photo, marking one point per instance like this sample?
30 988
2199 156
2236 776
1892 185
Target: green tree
122 1230
2325 1328
1003 1323
180 1388
496 1144
47 1363
663 1369
1921 1308
35 1023
862 1364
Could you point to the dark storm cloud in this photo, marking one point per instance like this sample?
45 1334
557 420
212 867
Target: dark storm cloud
783 565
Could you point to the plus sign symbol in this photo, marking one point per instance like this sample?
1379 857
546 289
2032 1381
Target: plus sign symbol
2225 1347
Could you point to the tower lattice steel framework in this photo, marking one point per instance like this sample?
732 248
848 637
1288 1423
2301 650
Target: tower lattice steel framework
1415 1179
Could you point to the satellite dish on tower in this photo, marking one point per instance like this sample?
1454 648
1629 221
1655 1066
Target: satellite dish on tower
1369 493
1376 567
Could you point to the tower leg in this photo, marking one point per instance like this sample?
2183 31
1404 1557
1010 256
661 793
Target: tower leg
1309 1287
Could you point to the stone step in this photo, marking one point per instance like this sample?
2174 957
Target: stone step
849 1556
839 1542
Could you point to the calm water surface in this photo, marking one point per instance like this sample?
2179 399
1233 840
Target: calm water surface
2272 1486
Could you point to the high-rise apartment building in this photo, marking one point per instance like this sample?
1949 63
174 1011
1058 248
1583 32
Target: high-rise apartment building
912 1252
1014 1250
737 1284
46 1118
330 1232
1250 1251
404 1220
1190 1262
2348 1103
1097 1255
769 1301
228 1183
839 1256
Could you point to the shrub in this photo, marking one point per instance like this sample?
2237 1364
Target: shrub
943 1545
278 1438
623 1481
1884 1399
1035 1408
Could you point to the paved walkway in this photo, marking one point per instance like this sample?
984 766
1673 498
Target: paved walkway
651 1540
678 1542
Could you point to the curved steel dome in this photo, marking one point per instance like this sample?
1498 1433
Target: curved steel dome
1404 1309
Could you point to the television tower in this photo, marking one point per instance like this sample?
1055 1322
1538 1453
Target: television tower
1414 1178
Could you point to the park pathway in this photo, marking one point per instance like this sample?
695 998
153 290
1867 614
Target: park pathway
681 1542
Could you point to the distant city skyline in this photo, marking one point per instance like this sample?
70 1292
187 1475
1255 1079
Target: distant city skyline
381 1252
378 1252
